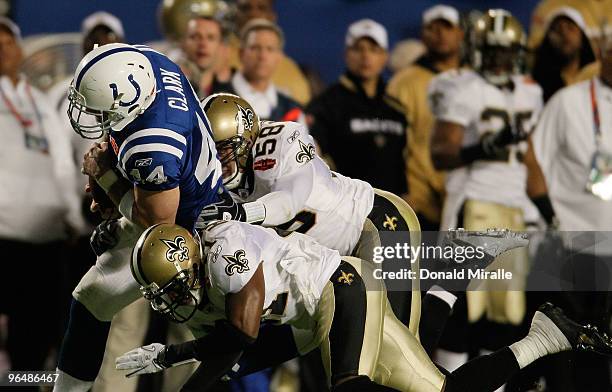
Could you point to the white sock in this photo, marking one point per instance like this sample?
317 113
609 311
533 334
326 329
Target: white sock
444 295
66 383
449 360
544 338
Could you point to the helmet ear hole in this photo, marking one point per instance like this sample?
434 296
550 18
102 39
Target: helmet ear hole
132 108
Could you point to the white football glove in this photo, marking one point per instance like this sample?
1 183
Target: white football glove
141 360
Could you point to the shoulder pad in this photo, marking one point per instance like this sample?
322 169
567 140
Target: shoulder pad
233 256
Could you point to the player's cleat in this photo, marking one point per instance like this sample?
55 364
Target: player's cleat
493 241
580 337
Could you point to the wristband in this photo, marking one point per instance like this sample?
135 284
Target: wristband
107 180
473 153
126 204
255 212
545 207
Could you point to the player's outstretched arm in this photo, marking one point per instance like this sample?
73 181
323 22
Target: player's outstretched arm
288 196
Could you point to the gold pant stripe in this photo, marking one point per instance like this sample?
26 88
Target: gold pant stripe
415 241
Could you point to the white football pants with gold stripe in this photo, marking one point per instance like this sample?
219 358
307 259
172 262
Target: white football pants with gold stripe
391 213
358 334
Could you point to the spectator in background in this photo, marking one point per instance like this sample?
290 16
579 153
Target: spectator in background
405 53
594 12
38 204
443 36
564 51
204 49
261 50
355 122
572 144
287 76
99 28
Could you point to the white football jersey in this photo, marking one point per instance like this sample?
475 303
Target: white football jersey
325 205
464 97
295 268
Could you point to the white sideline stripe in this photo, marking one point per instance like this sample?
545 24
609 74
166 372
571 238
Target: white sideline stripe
152 132
154 147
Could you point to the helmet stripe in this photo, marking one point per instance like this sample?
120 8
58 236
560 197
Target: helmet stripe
136 265
499 23
98 58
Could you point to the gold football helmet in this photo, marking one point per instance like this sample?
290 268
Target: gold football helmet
174 15
235 127
497 42
167 262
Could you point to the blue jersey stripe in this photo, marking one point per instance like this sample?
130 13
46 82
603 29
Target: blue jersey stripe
162 135
151 148
126 147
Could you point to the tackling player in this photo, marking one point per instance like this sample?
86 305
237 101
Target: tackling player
273 166
159 166
245 275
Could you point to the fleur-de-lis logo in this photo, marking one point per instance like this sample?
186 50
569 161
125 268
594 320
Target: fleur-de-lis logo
247 117
345 278
177 250
236 263
306 153
390 223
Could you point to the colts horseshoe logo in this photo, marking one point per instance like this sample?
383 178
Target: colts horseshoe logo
117 95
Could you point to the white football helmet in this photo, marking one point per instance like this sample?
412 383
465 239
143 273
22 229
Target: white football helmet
112 85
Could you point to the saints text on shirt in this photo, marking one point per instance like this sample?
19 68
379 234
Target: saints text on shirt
376 125
172 82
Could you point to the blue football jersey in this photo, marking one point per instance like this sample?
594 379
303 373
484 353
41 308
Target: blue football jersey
171 145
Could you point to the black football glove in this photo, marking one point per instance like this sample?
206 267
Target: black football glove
495 144
226 209
104 236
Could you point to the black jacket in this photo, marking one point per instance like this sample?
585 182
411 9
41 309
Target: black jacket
364 136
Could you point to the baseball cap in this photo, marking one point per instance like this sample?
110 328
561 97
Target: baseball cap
441 11
102 18
367 28
12 26
569 12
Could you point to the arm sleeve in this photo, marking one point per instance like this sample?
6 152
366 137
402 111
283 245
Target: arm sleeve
291 176
548 134
450 100
234 255
156 170
288 196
